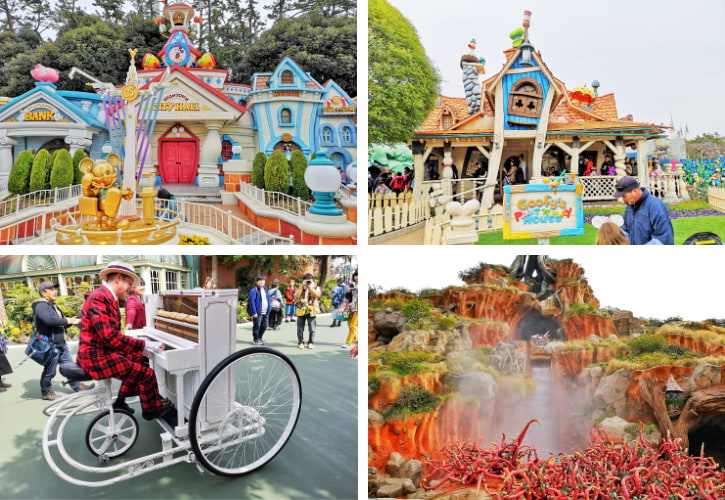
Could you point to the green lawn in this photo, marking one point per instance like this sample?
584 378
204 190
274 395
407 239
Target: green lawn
684 228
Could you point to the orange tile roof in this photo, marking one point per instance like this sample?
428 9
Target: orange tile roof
457 105
606 107
262 82
600 125
567 115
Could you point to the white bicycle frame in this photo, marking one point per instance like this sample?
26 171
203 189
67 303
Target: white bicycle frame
174 449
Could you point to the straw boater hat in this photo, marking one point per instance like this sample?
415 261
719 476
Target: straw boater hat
121 268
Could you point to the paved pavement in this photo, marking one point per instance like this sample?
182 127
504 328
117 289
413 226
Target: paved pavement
319 461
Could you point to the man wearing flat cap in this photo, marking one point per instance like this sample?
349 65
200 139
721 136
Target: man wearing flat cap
646 220
259 306
51 323
105 352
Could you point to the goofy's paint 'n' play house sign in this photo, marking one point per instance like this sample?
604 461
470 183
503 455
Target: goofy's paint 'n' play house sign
542 211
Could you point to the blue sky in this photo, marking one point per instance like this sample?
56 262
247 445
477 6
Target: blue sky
660 57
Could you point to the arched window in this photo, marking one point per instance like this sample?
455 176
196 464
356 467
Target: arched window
327 134
285 116
346 135
446 120
227 150
287 78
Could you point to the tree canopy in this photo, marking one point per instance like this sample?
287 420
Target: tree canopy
402 82
706 146
324 47
319 34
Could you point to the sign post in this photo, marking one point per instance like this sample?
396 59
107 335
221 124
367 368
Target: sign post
542 211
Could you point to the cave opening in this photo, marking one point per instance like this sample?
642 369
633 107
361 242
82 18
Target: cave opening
712 435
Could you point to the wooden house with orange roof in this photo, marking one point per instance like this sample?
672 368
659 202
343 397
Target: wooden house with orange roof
525 110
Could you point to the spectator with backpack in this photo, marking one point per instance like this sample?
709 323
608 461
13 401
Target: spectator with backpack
307 299
275 312
398 183
5 368
50 322
338 297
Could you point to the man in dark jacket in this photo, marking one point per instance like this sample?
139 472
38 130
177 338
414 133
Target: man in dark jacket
259 306
646 220
51 323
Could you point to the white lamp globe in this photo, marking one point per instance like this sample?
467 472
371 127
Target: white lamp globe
321 174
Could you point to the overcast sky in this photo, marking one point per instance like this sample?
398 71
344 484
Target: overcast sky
650 282
659 57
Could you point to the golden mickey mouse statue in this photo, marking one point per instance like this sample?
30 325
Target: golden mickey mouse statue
101 196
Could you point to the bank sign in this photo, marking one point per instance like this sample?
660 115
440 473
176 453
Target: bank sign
541 211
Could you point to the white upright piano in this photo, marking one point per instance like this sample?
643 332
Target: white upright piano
198 328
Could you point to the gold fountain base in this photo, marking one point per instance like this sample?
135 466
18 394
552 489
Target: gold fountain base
138 232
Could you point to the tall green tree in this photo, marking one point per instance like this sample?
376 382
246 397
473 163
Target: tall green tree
326 47
110 10
61 174
37 15
77 157
276 173
260 160
20 174
706 146
40 172
10 11
278 9
402 82
298 164
328 8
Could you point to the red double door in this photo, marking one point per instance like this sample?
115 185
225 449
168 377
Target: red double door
178 161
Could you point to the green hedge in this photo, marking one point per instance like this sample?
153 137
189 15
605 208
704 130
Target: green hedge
40 172
299 165
20 174
77 157
61 175
276 173
258 170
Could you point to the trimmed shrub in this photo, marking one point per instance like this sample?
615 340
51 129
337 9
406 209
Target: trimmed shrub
647 343
299 165
276 173
446 323
77 157
40 172
415 311
260 161
61 175
20 174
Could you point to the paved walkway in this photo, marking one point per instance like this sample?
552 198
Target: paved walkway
319 461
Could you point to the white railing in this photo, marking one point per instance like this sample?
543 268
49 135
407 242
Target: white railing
716 198
438 226
273 199
194 216
55 198
345 193
598 187
229 226
668 186
391 212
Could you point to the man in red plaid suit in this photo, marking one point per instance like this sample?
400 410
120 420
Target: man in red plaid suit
105 352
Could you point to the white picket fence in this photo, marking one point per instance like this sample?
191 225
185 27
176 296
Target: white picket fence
391 212
438 226
716 198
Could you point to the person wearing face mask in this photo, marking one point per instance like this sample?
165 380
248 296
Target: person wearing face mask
105 352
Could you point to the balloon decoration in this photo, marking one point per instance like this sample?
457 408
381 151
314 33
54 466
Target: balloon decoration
583 94
150 61
206 61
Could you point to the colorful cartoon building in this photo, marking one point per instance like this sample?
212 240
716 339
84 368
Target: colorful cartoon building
525 112
206 127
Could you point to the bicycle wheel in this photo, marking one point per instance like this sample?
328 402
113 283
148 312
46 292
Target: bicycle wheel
108 437
245 411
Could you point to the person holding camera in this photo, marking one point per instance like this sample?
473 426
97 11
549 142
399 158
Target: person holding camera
51 323
307 300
